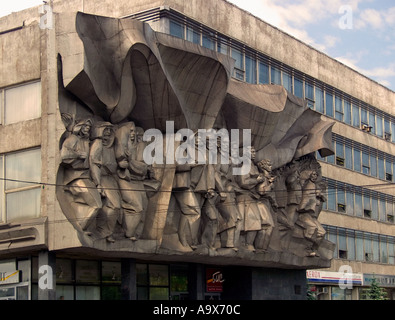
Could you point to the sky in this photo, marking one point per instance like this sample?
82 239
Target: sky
358 33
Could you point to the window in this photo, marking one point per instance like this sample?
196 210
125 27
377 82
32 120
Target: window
388 170
329 104
364 117
379 126
365 163
222 46
152 282
193 36
319 100
381 168
309 95
347 112
177 29
275 75
350 202
287 82
22 102
372 122
239 65
357 160
340 154
373 165
358 205
387 130
22 174
208 42
250 69
263 73
339 109
342 244
348 154
298 86
356 122
341 201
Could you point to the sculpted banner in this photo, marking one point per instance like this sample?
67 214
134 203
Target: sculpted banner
164 153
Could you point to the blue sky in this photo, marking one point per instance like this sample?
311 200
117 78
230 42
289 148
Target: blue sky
359 33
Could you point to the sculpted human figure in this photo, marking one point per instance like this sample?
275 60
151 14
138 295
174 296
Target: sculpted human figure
75 158
132 170
308 209
220 210
103 168
247 201
266 204
190 189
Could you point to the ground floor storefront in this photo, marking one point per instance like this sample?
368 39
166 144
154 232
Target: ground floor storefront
59 276
328 285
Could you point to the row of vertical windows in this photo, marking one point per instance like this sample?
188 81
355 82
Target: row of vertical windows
256 68
361 158
361 246
360 202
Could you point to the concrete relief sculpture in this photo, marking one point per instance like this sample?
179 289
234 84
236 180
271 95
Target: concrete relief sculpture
137 174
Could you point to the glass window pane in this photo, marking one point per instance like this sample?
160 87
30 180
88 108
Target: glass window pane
341 201
349 160
358 205
158 275
111 272
309 94
319 100
379 126
333 239
392 131
355 116
329 104
375 208
193 36
339 149
339 109
208 42
391 252
364 116
359 246
383 249
87 293
263 73
372 122
250 69
357 160
22 103
350 246
222 46
238 56
158 293
332 199
298 86
64 273
350 202
111 293
177 29
376 248
382 209
23 166
275 75
347 112
23 204
381 169
389 211
287 81
64 292
87 271
365 163
142 274
179 278
373 165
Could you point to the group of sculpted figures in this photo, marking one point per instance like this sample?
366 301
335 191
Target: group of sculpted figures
110 184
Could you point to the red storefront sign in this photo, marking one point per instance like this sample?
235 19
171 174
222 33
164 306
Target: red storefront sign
214 280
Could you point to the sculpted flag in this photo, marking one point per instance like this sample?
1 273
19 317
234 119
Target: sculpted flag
122 73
